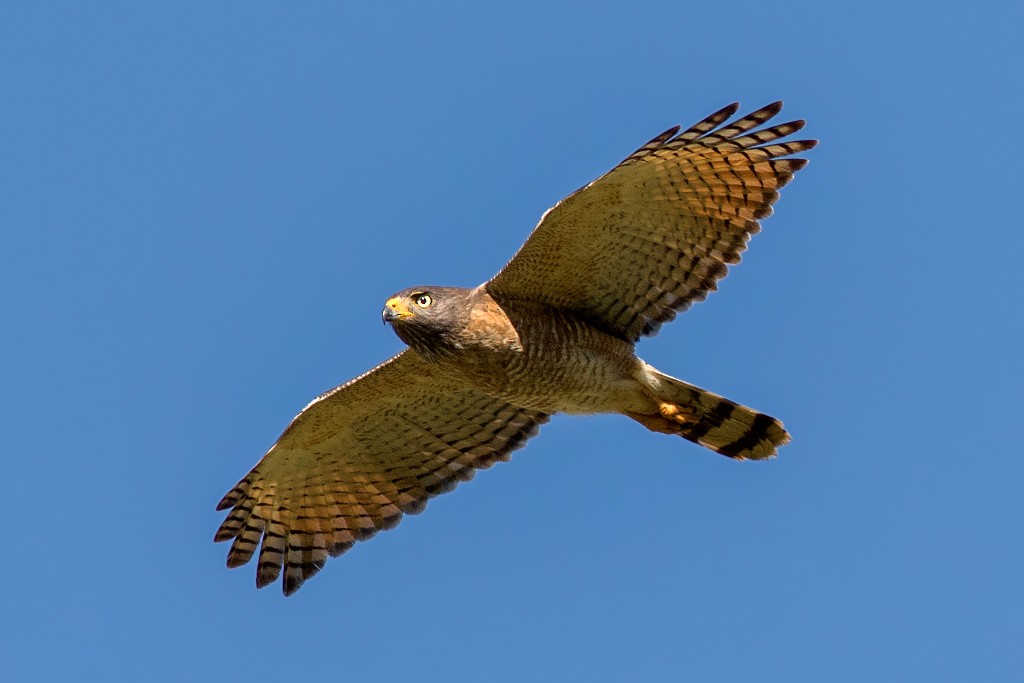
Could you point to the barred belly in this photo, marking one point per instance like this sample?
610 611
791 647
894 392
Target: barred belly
556 363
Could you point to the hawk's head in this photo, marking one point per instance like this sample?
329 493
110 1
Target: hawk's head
429 319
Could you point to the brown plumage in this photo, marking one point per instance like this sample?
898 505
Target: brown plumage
553 332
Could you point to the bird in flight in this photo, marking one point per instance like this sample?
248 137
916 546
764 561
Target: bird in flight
553 332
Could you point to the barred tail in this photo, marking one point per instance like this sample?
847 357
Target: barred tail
711 421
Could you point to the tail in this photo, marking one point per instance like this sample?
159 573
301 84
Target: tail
710 420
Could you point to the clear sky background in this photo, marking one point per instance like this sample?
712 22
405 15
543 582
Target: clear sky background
204 205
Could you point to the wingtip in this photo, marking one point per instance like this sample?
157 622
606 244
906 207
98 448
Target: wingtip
234 562
263 579
290 586
770 110
234 495
723 114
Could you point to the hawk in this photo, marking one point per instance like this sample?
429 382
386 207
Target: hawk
553 332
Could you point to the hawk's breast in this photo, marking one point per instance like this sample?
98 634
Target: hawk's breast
544 358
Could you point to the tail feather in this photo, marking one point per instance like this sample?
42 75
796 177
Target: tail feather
712 421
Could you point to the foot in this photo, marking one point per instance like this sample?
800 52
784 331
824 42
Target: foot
677 413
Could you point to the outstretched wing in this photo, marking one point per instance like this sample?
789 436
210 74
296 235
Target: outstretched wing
653 235
357 458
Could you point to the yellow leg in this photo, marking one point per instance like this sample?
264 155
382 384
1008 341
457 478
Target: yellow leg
676 413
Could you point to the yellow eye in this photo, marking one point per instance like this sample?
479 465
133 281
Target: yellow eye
424 300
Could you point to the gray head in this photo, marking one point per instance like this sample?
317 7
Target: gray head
428 318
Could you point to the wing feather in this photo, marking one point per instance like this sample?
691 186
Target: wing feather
655 234
359 457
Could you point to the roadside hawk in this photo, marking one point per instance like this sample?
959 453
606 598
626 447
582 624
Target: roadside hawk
553 332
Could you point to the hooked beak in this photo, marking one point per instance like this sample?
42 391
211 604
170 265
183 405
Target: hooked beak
394 309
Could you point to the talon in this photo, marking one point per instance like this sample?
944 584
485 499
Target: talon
676 413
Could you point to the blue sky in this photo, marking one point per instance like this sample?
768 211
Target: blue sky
204 206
